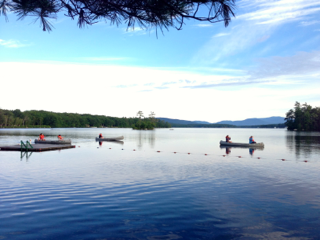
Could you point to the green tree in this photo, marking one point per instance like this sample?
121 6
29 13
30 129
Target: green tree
160 14
303 117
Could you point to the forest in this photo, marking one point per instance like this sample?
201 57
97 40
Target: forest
46 119
303 118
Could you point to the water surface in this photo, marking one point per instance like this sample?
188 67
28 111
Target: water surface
141 189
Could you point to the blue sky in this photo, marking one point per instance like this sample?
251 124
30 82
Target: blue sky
264 61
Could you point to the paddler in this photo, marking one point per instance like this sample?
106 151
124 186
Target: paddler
251 140
228 139
41 137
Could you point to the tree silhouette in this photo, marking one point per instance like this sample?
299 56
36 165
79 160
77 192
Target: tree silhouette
160 14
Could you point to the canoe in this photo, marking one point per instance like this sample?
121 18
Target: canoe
53 141
233 147
254 145
110 139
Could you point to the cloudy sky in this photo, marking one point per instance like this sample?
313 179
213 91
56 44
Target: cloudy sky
264 61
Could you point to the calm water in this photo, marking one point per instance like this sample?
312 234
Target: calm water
132 191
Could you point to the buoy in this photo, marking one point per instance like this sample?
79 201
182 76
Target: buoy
158 151
109 148
239 156
305 161
205 154
283 159
188 153
122 149
174 152
224 155
258 157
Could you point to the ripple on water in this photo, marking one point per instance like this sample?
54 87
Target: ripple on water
90 193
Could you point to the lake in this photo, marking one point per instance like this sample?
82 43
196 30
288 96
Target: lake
162 184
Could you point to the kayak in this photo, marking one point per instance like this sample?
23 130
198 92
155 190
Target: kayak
53 141
110 139
234 144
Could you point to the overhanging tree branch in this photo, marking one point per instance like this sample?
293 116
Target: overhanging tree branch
144 13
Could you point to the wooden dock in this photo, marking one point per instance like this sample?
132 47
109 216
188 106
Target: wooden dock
37 147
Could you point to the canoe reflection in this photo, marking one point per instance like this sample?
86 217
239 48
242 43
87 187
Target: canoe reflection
117 142
251 149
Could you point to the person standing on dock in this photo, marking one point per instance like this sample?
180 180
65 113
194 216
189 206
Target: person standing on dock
228 139
251 140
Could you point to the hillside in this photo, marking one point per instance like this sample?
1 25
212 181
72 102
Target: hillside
255 121
246 122
178 121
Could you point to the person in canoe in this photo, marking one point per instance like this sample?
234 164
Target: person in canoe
100 135
251 140
60 137
228 139
41 137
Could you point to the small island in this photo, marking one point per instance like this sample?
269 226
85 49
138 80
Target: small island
149 123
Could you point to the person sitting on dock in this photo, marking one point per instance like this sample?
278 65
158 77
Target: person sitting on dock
60 137
251 140
100 135
41 137
228 139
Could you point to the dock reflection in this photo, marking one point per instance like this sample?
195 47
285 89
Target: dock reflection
25 154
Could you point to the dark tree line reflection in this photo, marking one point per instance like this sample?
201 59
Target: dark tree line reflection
303 143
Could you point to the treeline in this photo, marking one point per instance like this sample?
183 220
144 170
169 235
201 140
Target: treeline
34 118
303 118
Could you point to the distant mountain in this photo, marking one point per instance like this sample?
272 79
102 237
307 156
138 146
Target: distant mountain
246 122
201 122
255 121
178 121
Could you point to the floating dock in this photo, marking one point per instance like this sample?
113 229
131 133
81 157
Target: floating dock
37 147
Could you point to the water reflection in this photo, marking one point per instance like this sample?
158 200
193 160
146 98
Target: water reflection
148 135
303 144
149 195
116 142
25 154
251 149
228 150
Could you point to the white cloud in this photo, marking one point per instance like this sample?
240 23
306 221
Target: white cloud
104 59
159 90
276 12
137 31
221 34
203 25
257 24
308 23
12 43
